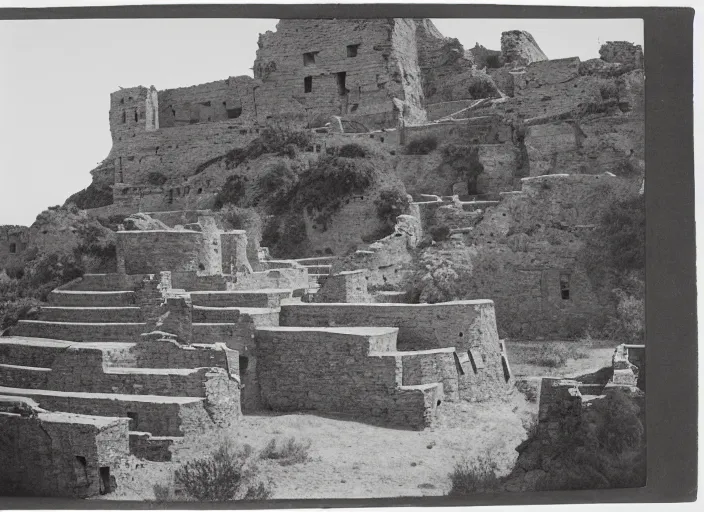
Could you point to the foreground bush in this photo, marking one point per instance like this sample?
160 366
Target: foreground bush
475 477
226 474
243 218
287 453
422 145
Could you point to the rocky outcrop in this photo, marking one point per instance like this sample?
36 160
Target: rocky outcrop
143 222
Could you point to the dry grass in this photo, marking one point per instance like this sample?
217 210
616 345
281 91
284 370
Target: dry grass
355 460
287 453
558 358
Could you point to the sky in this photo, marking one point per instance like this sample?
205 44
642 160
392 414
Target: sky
56 77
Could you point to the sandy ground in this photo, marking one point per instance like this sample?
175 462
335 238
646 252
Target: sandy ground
350 459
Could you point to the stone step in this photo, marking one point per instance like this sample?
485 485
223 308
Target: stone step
28 351
262 298
471 206
17 376
377 339
103 282
117 314
318 269
257 316
79 331
91 298
317 260
158 415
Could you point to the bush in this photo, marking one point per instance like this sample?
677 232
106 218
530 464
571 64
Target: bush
276 185
478 477
555 355
352 150
289 453
323 187
493 62
464 160
93 196
440 233
243 218
156 178
224 475
390 204
422 145
232 192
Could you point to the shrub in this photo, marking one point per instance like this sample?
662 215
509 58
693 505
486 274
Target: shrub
477 477
440 233
156 178
11 311
93 196
493 61
224 475
482 86
232 192
276 185
243 218
552 355
391 203
352 150
464 160
288 453
323 187
422 145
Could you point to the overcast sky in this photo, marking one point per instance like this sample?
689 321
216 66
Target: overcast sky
56 77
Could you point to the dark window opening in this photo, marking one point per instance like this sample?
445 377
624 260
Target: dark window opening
244 363
354 107
81 470
124 117
105 483
507 372
200 190
122 101
13 248
234 113
171 196
381 139
461 334
133 420
341 83
565 286
352 50
309 58
136 116
201 266
308 84
205 103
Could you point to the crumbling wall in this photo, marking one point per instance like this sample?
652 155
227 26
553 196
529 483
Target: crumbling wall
623 52
143 252
301 67
13 243
520 48
345 286
58 454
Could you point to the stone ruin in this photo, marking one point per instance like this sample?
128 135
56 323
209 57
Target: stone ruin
198 326
186 337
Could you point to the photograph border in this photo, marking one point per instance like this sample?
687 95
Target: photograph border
671 321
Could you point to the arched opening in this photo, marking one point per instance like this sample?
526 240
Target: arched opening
244 363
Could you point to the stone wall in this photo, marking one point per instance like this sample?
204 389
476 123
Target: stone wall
58 454
141 252
313 68
345 286
469 326
337 371
13 243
